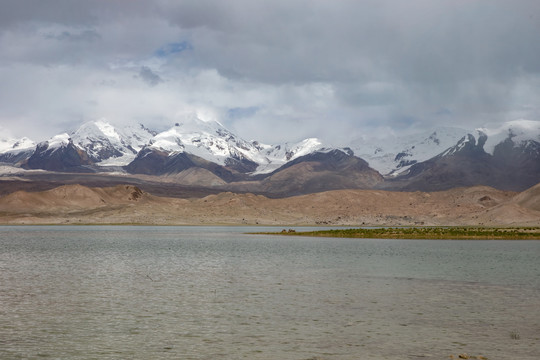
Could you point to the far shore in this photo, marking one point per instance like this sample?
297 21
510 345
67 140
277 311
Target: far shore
428 233
365 232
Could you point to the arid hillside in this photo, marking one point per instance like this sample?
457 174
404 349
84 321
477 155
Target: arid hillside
127 204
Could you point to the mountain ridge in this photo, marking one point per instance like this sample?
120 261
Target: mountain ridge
512 164
506 157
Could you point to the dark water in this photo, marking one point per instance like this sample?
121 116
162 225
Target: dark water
215 293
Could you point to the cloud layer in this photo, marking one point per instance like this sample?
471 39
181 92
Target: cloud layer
273 71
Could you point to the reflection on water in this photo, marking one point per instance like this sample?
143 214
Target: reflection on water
214 293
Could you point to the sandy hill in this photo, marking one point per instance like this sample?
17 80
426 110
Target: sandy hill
478 205
529 199
70 197
522 208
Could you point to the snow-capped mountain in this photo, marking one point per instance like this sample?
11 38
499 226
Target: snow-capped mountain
514 136
15 145
59 154
211 141
272 157
522 133
105 145
207 139
397 154
15 150
108 145
507 158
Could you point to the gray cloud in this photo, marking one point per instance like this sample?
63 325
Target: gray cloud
86 36
149 77
278 70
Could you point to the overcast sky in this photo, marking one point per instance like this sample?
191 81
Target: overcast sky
269 70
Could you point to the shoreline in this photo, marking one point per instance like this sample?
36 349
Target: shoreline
449 232
423 233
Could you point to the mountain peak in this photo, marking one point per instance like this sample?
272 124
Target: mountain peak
397 155
195 122
58 141
519 131
109 145
16 144
271 157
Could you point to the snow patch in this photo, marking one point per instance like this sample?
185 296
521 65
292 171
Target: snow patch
118 161
58 141
11 145
273 157
13 170
107 129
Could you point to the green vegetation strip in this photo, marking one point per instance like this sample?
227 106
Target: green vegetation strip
464 233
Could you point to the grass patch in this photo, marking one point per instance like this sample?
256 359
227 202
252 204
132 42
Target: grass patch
451 233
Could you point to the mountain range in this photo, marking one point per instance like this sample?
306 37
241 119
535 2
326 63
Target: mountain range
202 153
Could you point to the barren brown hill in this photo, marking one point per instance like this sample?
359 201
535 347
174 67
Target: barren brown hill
529 199
128 204
70 197
524 206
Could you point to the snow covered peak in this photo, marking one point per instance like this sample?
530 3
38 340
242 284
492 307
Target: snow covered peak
519 131
465 142
7 145
136 136
14 150
306 147
271 157
397 154
108 145
23 143
289 151
211 141
206 139
169 140
95 130
58 141
193 123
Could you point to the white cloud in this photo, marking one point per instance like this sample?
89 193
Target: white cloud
331 69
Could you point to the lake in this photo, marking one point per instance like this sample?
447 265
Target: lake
122 292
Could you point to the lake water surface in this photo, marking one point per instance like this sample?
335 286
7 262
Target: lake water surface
115 292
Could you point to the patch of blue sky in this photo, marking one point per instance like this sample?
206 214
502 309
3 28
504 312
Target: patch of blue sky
173 48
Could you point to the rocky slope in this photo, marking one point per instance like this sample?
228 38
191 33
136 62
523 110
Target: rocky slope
315 172
59 154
